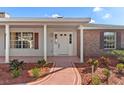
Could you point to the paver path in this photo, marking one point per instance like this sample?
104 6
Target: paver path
64 73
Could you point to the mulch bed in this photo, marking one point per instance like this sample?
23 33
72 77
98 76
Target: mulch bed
6 78
114 79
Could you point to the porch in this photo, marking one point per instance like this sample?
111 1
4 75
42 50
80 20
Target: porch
43 46
34 59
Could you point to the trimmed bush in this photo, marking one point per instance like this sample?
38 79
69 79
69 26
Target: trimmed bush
15 73
96 80
36 72
120 67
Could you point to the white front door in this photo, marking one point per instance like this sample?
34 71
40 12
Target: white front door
63 43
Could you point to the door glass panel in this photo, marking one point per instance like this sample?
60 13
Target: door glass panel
61 34
70 39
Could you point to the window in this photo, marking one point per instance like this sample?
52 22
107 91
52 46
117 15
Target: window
109 40
21 40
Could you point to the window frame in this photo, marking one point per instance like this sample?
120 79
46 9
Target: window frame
115 35
22 40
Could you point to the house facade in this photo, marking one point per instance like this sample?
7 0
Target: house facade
44 37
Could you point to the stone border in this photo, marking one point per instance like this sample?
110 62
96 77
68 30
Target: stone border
78 77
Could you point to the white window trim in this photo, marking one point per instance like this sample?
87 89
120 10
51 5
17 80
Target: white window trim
21 40
114 44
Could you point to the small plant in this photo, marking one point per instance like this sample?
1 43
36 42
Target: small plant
36 72
120 67
15 64
15 73
121 59
94 63
41 63
96 80
106 72
105 61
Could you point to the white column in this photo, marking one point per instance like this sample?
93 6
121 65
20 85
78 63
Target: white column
81 46
45 42
7 41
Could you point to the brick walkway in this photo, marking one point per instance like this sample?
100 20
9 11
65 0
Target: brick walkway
64 72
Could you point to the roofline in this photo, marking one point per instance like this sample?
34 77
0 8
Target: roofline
31 19
101 26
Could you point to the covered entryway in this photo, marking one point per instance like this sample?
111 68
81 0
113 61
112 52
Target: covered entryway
63 43
47 44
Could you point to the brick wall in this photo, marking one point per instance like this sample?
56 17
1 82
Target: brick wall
91 43
122 39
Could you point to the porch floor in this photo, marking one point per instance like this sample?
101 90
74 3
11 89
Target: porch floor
33 59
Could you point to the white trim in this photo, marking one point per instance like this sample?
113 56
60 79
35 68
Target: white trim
7 43
100 26
22 19
81 46
45 42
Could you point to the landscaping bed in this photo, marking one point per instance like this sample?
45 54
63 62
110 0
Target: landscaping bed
24 77
114 77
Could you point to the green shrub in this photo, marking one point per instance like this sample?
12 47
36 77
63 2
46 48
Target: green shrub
96 80
15 64
36 72
106 72
121 59
120 67
41 62
118 52
15 73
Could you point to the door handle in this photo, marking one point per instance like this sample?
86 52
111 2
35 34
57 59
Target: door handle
58 45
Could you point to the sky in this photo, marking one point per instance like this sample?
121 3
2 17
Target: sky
98 15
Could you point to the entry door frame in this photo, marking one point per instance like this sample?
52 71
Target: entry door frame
70 45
